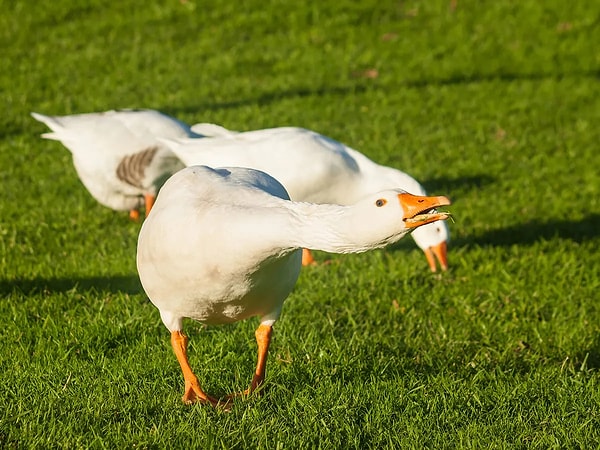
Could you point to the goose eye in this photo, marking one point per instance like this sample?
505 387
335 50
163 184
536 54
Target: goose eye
379 203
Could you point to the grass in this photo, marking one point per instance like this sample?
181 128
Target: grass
495 104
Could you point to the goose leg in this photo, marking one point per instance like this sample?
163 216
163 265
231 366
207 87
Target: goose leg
307 258
440 252
149 201
263 339
134 215
193 391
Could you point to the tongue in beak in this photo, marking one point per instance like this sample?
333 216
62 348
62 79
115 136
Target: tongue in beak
419 210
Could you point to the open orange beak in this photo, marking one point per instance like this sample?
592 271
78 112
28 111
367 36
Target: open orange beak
420 210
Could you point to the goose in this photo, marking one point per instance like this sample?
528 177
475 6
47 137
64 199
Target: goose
116 154
313 168
224 244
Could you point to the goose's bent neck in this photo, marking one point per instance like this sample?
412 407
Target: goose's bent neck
338 229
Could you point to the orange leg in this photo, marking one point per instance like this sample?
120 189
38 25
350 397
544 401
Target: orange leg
149 199
134 215
307 258
430 259
193 391
440 252
263 339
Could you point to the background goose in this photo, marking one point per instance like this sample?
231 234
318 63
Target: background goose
223 245
313 168
116 154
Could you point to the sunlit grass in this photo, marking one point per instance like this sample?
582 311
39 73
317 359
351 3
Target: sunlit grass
495 104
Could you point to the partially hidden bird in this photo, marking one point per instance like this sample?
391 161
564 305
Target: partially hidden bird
224 244
117 155
313 168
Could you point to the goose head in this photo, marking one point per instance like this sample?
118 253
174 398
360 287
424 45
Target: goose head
376 221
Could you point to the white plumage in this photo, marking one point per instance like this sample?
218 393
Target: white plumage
223 245
117 155
312 167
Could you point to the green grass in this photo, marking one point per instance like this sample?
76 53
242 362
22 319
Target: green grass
496 104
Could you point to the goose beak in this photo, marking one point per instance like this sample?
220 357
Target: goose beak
437 252
420 210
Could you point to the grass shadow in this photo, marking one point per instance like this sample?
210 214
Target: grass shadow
578 231
361 86
589 358
127 284
271 97
454 187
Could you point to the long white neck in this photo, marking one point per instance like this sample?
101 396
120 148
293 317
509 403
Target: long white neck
339 229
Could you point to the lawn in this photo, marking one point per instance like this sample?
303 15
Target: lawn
494 104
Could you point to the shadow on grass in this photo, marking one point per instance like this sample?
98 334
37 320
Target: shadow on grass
524 234
534 231
114 284
456 186
589 359
272 97
361 86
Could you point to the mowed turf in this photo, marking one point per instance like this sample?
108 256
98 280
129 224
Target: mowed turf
495 104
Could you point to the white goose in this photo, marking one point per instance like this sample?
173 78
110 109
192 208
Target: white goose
313 168
116 153
223 245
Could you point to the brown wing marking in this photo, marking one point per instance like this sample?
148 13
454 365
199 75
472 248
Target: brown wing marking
131 169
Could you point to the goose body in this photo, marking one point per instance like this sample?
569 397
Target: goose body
223 245
117 155
312 167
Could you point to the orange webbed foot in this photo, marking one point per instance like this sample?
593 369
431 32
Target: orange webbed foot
254 389
193 395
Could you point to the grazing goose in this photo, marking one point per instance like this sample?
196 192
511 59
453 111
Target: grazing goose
222 245
313 168
116 153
